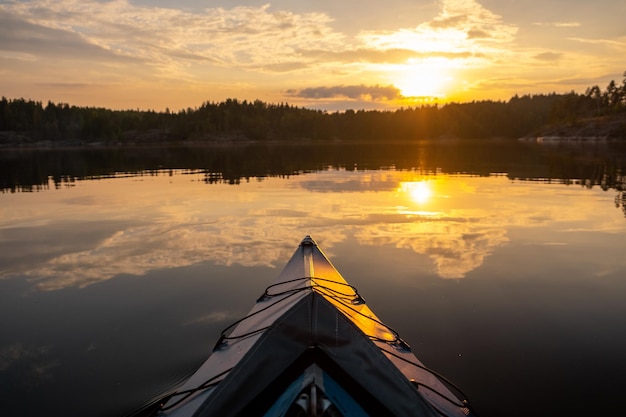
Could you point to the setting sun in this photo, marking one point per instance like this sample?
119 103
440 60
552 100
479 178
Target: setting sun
422 80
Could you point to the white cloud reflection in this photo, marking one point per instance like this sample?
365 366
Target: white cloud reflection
454 248
178 221
138 250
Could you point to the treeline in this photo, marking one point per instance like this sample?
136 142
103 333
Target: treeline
24 121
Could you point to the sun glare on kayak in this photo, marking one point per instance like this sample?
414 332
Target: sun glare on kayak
418 191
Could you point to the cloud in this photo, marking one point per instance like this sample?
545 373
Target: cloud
31 39
64 86
463 29
239 36
558 24
548 56
285 67
457 22
478 34
375 92
243 37
618 43
600 80
120 48
383 56
393 55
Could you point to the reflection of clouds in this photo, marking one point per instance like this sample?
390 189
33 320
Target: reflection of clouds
245 241
31 362
12 353
351 181
466 253
212 318
140 249
454 247
457 240
167 222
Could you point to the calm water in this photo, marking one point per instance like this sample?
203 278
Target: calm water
501 265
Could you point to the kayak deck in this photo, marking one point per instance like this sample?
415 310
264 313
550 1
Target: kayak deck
311 346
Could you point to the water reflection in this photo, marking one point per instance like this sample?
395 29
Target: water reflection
98 230
589 165
142 256
419 191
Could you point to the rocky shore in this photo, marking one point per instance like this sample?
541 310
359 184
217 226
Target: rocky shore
585 130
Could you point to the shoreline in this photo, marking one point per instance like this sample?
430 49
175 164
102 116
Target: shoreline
601 129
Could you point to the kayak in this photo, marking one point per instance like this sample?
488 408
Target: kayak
311 346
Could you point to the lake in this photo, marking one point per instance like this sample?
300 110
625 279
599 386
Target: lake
501 263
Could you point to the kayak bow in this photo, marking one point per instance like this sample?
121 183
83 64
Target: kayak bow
311 346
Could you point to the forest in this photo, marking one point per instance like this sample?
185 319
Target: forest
24 122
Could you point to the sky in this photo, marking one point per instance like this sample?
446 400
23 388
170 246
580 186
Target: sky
330 55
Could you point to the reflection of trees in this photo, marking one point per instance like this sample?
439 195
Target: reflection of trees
620 201
591 166
620 197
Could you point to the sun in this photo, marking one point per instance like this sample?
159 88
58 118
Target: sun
422 80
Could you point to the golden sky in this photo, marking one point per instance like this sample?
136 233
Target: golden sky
360 54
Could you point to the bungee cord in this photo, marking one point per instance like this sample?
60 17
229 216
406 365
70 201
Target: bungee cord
188 393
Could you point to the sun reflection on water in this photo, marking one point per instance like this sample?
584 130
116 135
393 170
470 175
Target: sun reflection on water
419 192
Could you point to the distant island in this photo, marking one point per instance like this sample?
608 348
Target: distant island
599 114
